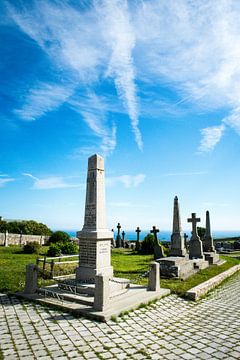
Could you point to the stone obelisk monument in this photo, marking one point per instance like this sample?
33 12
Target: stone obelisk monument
208 240
177 238
94 238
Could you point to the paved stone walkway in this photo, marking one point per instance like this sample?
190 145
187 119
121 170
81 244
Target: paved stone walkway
172 328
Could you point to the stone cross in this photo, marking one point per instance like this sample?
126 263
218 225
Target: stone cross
154 231
118 238
158 251
194 220
195 244
138 245
178 247
138 233
118 227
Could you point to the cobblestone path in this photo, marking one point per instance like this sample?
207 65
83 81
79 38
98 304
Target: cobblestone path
172 328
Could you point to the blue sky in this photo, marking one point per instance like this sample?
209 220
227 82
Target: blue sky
153 86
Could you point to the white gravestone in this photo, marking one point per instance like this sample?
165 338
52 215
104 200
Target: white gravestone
94 238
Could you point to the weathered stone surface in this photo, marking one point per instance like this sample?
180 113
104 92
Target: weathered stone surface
176 267
208 245
154 277
195 243
177 238
31 282
95 239
211 257
102 293
200 290
21 239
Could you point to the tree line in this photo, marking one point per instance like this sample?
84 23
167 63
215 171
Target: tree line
26 227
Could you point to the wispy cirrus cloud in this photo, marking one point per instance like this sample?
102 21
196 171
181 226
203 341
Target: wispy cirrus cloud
41 99
4 180
93 110
52 182
193 47
119 35
87 46
127 181
210 137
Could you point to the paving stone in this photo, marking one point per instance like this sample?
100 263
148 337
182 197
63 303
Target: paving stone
172 329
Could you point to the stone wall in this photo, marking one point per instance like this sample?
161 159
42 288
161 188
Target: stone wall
20 239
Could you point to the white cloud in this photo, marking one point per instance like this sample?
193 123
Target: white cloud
42 99
210 137
192 46
93 110
5 181
53 182
127 180
233 119
120 37
83 43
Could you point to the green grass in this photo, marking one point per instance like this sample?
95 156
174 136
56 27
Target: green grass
126 264
13 265
130 265
180 287
1 354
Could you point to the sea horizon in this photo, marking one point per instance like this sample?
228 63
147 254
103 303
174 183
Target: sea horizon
165 235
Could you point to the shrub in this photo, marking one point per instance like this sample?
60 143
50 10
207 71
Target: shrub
147 246
31 248
59 236
54 249
69 248
59 248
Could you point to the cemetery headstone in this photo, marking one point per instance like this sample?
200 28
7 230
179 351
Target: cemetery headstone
118 238
177 240
138 244
158 251
195 244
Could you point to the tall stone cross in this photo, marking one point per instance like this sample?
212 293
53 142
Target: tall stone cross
195 244
158 251
118 238
118 227
194 220
154 231
138 233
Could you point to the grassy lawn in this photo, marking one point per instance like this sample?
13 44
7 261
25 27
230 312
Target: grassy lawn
126 264
13 264
180 287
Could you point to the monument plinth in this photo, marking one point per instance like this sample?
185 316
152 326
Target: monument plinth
94 238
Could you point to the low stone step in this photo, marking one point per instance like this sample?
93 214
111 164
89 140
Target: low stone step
59 294
74 286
